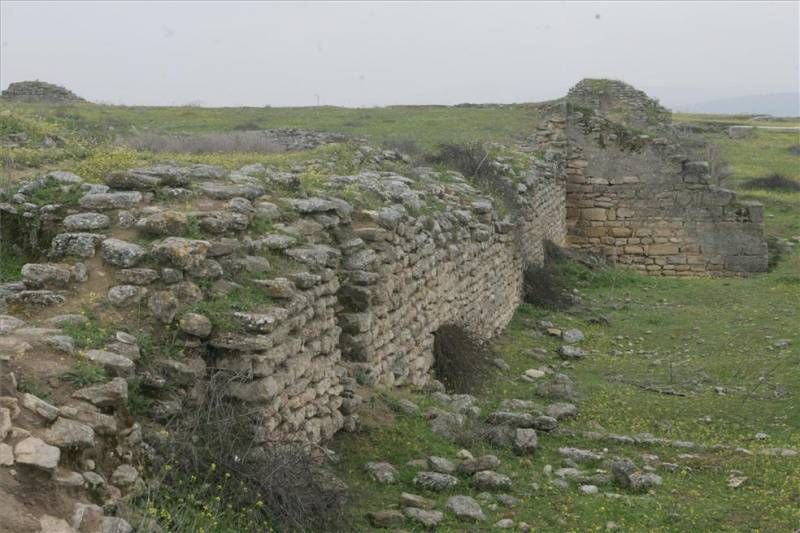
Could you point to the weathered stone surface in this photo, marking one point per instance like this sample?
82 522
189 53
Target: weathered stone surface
491 481
136 276
195 324
435 481
164 223
111 200
559 387
509 418
5 422
115 364
413 500
226 191
121 254
82 245
562 410
9 323
66 433
37 453
45 276
35 298
124 476
126 295
164 306
441 465
429 519
571 352
181 253
628 475
115 524
579 455
86 221
52 524
111 394
6 455
386 519
39 406
465 508
484 462
525 441
318 256
101 423
382 472
572 336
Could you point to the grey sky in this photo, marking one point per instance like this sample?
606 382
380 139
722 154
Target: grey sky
359 53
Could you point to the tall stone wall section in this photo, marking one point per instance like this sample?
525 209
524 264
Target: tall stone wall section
463 266
638 199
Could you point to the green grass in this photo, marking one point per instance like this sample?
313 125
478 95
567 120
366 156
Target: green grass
220 310
91 334
427 125
83 374
765 153
11 264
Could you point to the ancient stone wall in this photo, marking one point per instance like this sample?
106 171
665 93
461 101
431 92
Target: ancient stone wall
637 198
292 297
459 266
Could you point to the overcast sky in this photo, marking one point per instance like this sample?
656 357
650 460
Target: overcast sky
362 53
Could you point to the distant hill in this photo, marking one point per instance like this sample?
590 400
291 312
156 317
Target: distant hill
779 105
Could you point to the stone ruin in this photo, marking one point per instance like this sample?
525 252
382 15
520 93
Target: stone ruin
39 91
354 277
636 196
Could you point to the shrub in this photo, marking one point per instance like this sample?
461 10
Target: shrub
547 285
544 286
215 472
774 182
462 359
409 147
471 159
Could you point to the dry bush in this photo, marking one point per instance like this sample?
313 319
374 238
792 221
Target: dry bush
471 159
774 182
462 359
547 285
236 141
279 481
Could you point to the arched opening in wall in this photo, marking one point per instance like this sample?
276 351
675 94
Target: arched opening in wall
462 360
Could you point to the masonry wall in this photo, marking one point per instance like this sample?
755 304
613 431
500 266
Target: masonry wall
463 266
639 200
